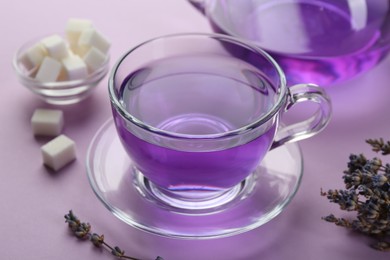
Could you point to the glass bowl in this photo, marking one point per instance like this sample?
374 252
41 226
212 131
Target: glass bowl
58 92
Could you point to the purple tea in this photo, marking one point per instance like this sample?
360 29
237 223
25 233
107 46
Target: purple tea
194 96
320 41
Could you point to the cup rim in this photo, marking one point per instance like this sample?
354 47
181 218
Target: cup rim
283 90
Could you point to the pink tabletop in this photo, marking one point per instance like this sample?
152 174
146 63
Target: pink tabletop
34 200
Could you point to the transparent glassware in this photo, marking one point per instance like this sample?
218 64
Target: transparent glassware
60 92
196 123
265 194
320 41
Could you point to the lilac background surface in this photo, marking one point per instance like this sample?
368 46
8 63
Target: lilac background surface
33 200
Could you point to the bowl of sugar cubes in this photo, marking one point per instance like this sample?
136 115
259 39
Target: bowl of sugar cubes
64 68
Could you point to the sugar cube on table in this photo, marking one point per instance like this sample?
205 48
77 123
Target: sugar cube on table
94 59
73 30
33 56
49 70
47 122
92 38
58 152
55 46
75 68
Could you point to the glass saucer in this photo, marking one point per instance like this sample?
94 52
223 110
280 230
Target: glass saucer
116 183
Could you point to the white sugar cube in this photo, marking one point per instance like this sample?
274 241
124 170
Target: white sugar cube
94 59
58 152
49 70
92 38
75 67
33 56
73 29
55 46
47 122
79 50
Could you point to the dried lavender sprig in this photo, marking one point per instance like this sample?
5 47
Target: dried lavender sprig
382 246
367 192
82 231
378 145
98 241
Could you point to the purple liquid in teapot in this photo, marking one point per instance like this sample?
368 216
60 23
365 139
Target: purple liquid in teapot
322 42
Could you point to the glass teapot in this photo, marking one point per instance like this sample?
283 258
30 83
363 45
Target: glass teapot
318 41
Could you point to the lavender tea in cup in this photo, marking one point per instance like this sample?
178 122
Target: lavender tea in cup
196 120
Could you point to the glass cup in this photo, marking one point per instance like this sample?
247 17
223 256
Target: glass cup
196 120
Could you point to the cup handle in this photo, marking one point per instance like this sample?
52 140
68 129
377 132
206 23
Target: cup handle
311 126
200 5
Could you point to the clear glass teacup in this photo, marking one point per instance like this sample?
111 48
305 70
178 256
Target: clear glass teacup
196 120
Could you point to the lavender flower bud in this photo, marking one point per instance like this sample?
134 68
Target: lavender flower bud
73 225
97 240
330 218
83 230
379 180
382 246
117 252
